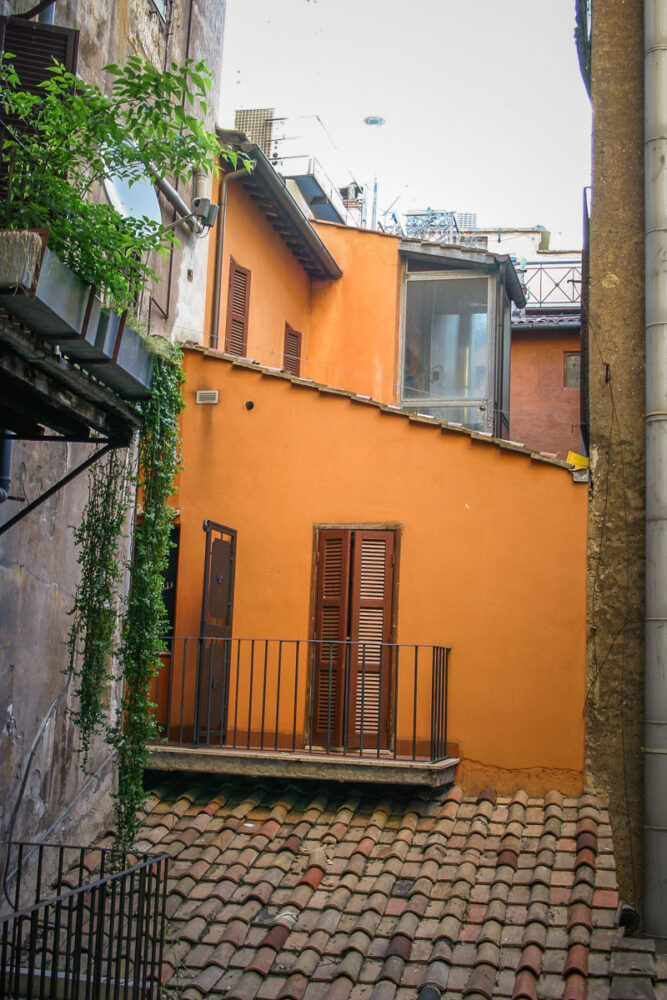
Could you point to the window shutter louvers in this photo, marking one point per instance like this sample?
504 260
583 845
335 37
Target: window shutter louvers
331 614
370 628
292 351
236 337
34 46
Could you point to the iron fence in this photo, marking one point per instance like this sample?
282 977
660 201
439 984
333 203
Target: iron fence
73 926
556 284
305 696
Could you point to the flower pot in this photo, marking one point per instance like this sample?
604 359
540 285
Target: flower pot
130 369
37 288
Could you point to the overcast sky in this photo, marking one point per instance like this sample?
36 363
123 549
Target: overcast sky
484 106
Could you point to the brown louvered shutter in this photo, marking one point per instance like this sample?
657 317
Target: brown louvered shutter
292 351
331 623
34 47
370 627
238 304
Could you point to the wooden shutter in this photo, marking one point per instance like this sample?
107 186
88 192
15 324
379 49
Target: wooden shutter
292 351
331 624
238 305
370 626
34 47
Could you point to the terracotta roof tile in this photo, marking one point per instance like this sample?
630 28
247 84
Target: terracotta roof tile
298 894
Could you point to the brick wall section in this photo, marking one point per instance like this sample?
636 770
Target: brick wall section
616 339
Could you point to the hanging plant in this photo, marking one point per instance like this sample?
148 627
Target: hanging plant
96 602
145 622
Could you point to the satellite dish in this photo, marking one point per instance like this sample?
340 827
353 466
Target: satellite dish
137 200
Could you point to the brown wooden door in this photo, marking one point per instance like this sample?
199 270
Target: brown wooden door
354 590
216 632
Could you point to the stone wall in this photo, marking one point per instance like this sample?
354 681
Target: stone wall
38 567
616 347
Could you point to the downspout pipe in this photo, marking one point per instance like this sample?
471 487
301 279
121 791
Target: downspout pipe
655 680
174 198
6 448
219 259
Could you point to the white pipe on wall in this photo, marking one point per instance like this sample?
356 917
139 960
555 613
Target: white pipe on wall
655 684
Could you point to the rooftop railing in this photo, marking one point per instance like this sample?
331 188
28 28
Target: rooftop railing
553 285
74 926
384 700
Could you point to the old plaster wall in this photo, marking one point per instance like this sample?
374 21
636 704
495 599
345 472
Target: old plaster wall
614 716
38 564
38 574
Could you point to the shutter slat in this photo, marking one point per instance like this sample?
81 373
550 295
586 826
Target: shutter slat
370 632
292 351
238 302
331 621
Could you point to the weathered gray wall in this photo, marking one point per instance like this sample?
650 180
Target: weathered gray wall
616 344
38 564
38 574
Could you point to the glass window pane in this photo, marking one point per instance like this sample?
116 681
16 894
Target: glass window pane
471 417
446 329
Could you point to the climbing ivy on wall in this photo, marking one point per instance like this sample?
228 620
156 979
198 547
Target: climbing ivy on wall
96 603
95 612
145 622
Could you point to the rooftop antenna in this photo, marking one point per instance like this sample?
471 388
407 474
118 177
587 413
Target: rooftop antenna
375 121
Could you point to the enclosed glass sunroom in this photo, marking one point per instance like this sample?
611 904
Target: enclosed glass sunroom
456 335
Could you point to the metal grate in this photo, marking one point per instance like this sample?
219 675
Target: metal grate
257 124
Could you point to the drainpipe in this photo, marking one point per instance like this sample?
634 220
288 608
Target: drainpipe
172 196
6 446
655 680
219 243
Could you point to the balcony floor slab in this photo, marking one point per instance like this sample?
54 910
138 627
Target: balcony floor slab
308 766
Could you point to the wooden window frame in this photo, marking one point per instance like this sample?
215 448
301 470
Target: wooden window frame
238 317
566 356
295 358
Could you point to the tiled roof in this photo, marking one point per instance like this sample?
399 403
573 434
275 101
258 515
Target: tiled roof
283 893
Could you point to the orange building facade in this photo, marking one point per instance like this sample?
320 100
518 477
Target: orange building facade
367 579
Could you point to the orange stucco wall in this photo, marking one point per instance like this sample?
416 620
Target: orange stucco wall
355 321
492 551
349 326
279 287
544 414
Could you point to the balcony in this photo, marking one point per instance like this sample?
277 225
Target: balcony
553 285
74 924
305 708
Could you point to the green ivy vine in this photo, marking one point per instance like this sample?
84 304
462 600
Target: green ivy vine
145 622
95 613
97 599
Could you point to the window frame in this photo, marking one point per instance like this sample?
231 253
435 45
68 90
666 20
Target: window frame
566 356
483 403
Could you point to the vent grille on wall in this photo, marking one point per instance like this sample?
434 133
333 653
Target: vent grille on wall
208 396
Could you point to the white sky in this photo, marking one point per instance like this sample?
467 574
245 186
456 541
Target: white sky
485 109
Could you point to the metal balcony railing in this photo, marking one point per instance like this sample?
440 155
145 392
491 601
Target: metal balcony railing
72 925
555 285
347 698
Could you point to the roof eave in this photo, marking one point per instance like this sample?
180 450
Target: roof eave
314 256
